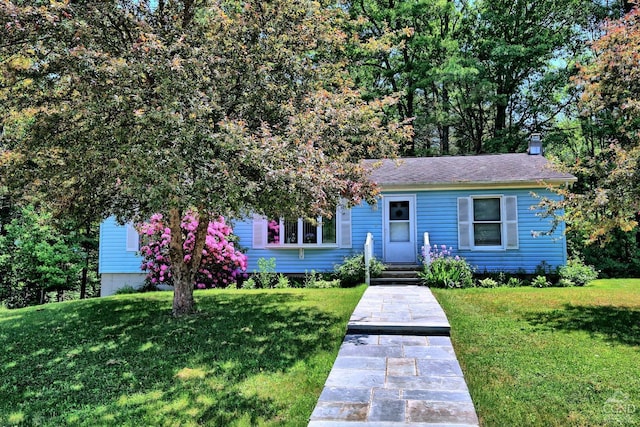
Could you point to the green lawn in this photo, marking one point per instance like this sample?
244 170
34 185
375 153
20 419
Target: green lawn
550 357
248 358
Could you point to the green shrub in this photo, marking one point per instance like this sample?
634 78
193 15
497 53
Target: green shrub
351 271
249 284
514 282
565 283
488 283
325 284
126 289
577 272
283 282
540 282
266 276
448 272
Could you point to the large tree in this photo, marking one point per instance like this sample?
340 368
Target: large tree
219 107
607 195
410 49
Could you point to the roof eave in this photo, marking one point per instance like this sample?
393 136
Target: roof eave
478 185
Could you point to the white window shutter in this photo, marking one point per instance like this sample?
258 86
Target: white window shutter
344 222
464 223
133 238
511 221
259 232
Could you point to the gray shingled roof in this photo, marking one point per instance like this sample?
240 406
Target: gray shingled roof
508 169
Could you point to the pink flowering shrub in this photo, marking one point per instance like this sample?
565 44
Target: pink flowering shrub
222 263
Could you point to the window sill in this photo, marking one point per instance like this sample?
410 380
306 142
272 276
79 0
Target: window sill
303 246
488 249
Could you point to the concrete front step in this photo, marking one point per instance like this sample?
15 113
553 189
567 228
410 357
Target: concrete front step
406 274
399 310
398 274
397 281
403 267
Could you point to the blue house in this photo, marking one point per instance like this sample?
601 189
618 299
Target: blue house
483 207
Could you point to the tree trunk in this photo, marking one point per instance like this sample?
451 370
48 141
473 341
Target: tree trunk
83 283
444 133
184 272
501 118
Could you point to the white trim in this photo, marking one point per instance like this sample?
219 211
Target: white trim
132 238
342 221
386 244
509 238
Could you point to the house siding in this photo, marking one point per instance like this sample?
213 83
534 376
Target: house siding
288 260
436 213
114 257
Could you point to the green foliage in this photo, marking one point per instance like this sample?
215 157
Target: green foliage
352 271
477 76
250 283
577 272
283 282
448 272
488 282
310 279
314 280
126 289
211 106
619 257
37 260
540 282
514 282
266 276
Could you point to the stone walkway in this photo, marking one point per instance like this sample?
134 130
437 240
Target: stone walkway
396 366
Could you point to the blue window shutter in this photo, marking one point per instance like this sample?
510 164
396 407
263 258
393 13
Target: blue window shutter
464 223
344 222
511 221
259 232
133 238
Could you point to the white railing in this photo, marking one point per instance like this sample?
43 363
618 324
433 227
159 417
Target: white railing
368 254
426 249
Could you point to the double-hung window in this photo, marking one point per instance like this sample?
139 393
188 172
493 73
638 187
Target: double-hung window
488 222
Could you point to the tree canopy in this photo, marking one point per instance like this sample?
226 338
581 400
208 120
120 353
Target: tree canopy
220 107
607 196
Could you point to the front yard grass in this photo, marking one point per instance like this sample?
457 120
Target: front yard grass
550 357
247 358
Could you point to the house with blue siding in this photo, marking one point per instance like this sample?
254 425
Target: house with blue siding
484 207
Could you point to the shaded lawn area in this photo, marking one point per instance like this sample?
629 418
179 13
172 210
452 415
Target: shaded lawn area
550 357
247 358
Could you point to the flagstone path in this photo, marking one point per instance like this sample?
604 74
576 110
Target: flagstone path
396 366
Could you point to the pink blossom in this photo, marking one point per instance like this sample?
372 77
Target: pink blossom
221 262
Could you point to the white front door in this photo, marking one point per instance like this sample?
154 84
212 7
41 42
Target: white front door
400 229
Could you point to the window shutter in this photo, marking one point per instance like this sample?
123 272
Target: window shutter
259 232
133 238
344 222
464 223
511 221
